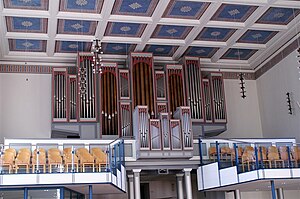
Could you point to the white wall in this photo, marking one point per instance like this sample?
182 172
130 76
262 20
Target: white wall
26 106
243 115
272 88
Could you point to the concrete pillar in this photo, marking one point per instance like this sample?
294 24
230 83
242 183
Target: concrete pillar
179 178
188 183
137 188
280 194
237 194
131 186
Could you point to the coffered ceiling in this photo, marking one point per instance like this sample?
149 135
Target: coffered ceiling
235 34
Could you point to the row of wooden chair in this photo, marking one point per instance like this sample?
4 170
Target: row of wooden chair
270 157
14 160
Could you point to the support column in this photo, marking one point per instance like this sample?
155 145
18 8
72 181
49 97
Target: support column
237 194
179 178
25 193
137 188
273 190
188 183
90 191
131 186
280 194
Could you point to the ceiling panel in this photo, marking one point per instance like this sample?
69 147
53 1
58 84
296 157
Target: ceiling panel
27 4
26 24
134 7
27 45
78 27
215 34
88 6
203 52
185 9
124 29
233 12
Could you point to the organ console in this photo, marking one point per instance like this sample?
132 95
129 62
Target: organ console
158 107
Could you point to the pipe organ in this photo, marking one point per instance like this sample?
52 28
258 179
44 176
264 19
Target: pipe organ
218 97
59 108
86 89
142 81
72 98
158 107
109 95
194 88
176 87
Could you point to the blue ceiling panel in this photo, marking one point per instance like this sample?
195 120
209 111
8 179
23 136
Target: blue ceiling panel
117 48
215 34
72 46
185 9
280 16
27 45
26 24
27 4
171 32
238 54
233 12
66 26
134 7
89 6
204 52
124 29
257 36
161 50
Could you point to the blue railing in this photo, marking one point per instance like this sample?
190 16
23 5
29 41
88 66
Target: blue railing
249 156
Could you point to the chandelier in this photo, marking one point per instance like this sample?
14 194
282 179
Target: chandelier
97 59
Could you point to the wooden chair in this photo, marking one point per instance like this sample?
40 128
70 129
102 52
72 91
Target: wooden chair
284 155
212 152
100 157
295 154
67 158
54 158
85 159
7 160
225 153
248 159
23 160
273 156
240 153
42 162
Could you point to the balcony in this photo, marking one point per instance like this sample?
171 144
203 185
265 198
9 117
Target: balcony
69 163
230 164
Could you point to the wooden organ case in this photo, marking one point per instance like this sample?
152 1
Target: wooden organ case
142 81
158 106
109 99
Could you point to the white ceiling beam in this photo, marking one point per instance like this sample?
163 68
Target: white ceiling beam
27 13
68 37
249 46
78 16
106 10
173 42
4 48
180 22
130 19
52 27
269 27
208 43
156 17
135 40
29 35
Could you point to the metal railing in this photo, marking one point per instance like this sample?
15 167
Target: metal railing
17 158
